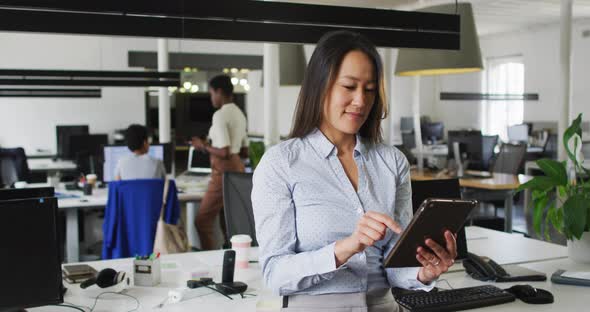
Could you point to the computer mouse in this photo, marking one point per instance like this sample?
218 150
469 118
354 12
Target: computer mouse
530 294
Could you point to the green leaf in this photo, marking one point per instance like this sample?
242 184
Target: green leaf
537 183
554 218
562 191
554 170
575 215
574 128
538 213
255 151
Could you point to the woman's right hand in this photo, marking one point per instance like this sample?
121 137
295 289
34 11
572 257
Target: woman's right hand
372 227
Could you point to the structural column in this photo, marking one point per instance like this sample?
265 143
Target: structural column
417 128
163 97
565 53
271 93
388 71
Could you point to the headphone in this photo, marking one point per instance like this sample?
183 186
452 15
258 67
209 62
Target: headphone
108 278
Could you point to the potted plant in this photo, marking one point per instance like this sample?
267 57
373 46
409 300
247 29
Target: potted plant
562 195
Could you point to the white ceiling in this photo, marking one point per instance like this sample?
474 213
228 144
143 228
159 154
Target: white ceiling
491 16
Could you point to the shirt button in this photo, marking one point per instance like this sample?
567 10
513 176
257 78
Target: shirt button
359 210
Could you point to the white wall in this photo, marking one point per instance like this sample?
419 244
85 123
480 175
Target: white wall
30 122
539 48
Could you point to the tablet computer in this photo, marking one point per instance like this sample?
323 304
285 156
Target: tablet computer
431 220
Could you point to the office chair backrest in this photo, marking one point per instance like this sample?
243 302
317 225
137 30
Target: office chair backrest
489 143
510 158
13 165
237 205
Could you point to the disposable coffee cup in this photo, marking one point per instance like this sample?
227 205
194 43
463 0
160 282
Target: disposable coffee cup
241 244
91 179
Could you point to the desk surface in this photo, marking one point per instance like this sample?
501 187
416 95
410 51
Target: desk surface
192 190
503 247
567 297
498 181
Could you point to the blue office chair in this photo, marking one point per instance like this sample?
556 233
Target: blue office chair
131 216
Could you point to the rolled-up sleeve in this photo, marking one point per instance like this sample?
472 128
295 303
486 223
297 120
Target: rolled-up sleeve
404 277
285 271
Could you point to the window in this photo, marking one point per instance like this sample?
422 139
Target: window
503 76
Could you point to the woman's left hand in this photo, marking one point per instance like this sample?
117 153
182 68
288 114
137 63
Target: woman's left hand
437 263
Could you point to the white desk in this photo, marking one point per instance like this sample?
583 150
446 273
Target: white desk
192 195
534 254
567 297
49 165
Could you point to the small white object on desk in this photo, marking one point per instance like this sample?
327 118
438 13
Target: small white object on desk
146 272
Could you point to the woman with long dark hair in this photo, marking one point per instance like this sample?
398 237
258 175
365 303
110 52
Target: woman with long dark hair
329 201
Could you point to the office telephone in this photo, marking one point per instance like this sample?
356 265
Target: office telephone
488 270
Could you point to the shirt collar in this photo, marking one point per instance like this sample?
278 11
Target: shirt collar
226 104
321 144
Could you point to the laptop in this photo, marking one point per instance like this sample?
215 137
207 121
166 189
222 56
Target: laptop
198 163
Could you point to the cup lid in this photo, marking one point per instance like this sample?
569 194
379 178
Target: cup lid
241 238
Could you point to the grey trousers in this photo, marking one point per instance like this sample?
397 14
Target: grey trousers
378 300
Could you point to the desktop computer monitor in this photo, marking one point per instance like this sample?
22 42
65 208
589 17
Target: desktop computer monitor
470 143
31 254
198 162
518 133
86 150
112 154
88 144
407 124
433 131
33 192
63 134
447 189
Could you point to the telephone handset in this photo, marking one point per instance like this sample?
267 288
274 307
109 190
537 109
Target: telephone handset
488 270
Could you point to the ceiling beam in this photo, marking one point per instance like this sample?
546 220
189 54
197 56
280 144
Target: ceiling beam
231 20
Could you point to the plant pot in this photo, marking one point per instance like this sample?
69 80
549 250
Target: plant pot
579 250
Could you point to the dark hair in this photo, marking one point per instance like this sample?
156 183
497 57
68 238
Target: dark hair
135 136
222 82
319 78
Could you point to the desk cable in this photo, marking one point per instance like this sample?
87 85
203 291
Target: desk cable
217 290
90 309
444 280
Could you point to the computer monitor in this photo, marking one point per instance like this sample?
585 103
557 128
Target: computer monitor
407 124
63 134
31 261
447 189
470 143
198 162
433 131
113 153
33 192
518 133
88 144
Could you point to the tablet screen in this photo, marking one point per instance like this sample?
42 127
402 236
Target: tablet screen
432 219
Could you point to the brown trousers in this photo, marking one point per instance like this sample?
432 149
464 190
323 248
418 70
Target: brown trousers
212 203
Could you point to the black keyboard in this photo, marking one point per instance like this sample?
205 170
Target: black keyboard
454 299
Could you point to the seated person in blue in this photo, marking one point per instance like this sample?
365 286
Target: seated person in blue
139 165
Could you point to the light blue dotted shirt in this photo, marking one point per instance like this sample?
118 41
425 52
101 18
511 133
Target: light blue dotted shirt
303 203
